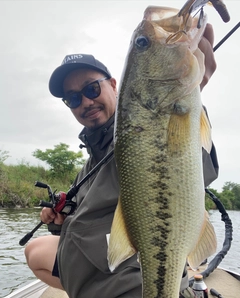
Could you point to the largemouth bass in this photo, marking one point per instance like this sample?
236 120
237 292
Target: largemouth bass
161 128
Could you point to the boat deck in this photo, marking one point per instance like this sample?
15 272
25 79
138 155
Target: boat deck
53 293
228 285
220 280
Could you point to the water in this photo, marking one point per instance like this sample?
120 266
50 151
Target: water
14 224
232 259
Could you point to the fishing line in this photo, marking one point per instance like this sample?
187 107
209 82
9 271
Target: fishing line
197 12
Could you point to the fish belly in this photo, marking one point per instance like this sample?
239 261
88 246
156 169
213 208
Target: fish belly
161 192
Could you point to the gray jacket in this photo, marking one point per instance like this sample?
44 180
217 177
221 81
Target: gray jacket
82 252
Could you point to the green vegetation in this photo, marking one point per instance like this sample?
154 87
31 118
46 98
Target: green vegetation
230 197
62 161
17 182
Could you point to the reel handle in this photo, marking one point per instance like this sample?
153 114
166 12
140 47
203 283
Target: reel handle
45 204
40 184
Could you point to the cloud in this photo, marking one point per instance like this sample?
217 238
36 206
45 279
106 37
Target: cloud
36 36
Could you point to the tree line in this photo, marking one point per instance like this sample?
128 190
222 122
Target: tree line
17 182
230 196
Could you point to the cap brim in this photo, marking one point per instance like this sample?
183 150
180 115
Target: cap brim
58 76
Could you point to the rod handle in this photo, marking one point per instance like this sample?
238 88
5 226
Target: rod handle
29 235
215 293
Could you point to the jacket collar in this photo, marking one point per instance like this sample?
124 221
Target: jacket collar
97 141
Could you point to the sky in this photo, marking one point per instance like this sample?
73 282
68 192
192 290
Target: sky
37 35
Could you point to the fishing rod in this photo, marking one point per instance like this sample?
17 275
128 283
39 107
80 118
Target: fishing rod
63 202
29 235
226 37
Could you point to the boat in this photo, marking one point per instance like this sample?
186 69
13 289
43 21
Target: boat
223 282
220 282
37 289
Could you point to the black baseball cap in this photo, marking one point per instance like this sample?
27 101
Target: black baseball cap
70 63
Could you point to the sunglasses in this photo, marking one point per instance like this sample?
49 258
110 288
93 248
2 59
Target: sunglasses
91 91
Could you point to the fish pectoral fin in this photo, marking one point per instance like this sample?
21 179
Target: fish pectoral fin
120 247
206 245
206 137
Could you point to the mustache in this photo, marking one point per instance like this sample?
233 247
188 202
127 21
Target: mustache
89 109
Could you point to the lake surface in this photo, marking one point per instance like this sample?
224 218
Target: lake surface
15 223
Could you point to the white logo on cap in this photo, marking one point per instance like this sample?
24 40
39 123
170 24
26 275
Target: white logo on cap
72 58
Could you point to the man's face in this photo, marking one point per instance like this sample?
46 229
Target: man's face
92 113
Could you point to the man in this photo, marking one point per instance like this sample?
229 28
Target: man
81 267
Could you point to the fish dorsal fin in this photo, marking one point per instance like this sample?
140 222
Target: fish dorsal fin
120 247
206 245
206 138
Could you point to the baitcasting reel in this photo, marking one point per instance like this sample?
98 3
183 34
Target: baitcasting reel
63 203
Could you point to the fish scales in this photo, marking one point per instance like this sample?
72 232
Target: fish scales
157 208
158 152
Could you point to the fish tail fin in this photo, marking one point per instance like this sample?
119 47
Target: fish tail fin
206 245
120 247
206 138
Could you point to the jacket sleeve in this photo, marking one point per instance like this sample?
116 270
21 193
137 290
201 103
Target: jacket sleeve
210 163
54 229
210 166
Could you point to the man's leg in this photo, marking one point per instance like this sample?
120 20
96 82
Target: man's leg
41 254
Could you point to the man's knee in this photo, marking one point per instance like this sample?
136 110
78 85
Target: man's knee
40 250
32 252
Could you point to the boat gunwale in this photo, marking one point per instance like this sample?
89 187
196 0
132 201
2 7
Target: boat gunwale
38 287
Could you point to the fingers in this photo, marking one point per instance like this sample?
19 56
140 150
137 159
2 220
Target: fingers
206 46
59 219
47 216
209 34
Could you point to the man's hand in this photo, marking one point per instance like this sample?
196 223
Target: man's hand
47 216
206 46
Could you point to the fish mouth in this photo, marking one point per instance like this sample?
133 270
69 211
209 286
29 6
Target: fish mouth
175 29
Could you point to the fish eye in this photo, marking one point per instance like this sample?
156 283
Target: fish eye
142 42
